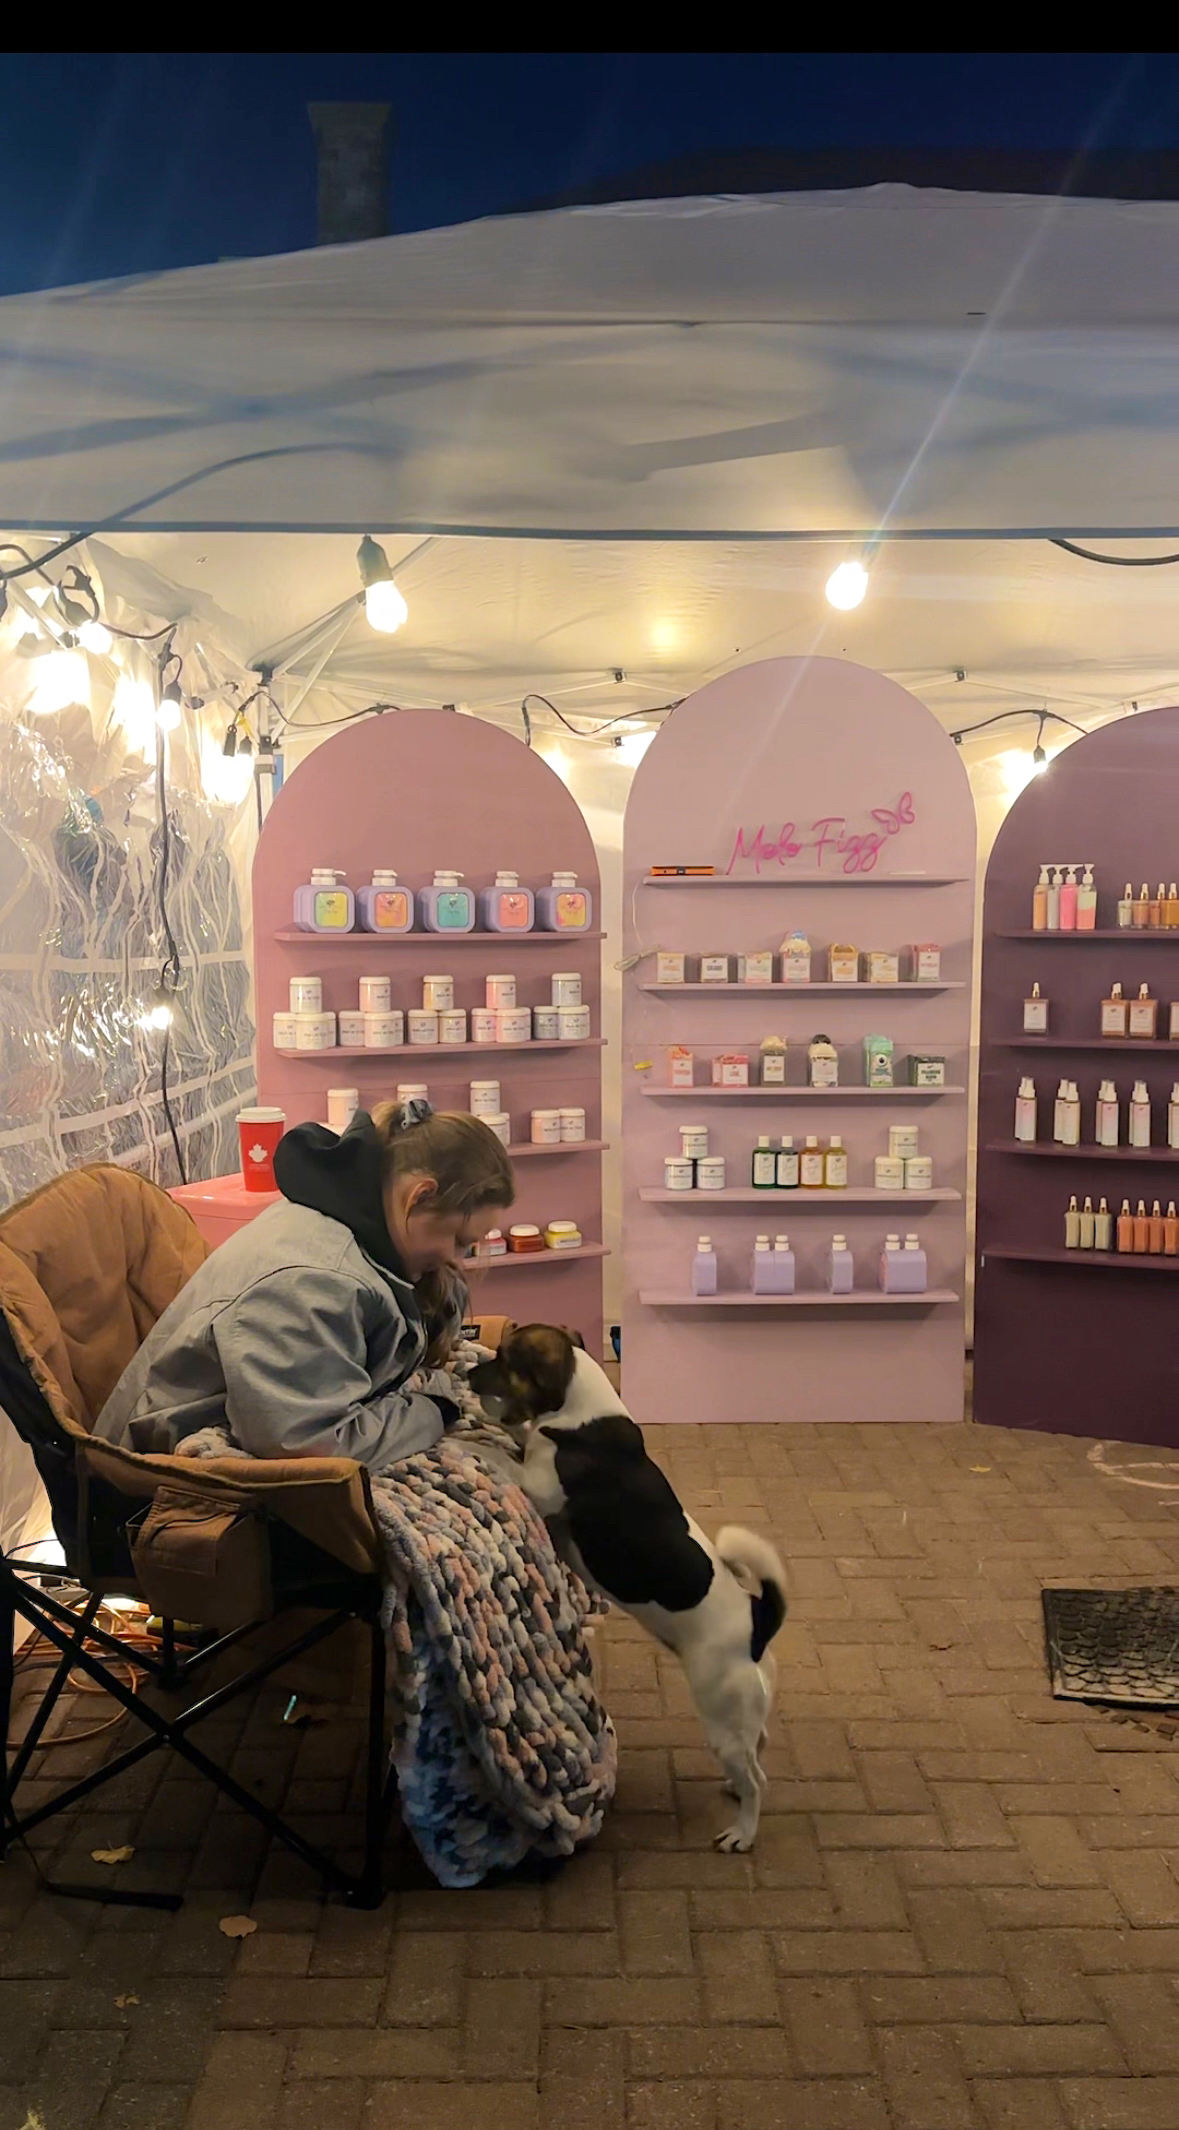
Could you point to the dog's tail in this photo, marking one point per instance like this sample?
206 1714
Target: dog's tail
753 1562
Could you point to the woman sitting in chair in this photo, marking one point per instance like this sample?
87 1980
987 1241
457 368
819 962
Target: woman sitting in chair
300 1334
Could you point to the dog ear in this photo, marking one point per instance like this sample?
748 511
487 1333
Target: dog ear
574 1336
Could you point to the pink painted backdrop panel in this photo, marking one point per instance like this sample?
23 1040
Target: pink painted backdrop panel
778 747
419 789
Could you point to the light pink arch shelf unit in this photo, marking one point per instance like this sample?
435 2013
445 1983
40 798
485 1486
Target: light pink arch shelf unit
795 741
417 789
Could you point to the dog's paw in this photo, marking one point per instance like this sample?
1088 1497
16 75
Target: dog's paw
732 1841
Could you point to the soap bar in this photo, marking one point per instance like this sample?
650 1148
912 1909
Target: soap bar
881 967
681 1066
927 1072
924 964
714 968
731 1069
843 965
755 968
669 968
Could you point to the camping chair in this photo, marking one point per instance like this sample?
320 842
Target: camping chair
87 1264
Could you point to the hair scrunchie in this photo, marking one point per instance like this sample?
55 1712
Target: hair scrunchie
416 1111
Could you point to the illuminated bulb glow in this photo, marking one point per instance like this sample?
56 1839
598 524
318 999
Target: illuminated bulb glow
847 585
385 609
168 715
226 778
633 746
62 678
133 707
157 1016
95 636
1017 769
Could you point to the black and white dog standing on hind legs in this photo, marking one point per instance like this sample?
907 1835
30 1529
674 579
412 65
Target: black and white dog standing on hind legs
617 1522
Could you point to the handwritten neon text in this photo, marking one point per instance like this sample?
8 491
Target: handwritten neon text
830 844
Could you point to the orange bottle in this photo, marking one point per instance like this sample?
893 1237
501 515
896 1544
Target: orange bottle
1171 1231
1157 1225
1125 1227
1141 1227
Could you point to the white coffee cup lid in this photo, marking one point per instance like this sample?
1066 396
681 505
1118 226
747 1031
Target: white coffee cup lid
261 1116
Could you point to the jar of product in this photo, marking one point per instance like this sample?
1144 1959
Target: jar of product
501 1125
694 1141
566 987
918 1172
525 1236
513 1025
306 994
384 1031
546 1127
412 1091
376 994
546 1024
679 1175
494 1244
710 1173
285 1030
485 1098
499 991
574 1023
452 1025
437 993
351 1027
315 1031
572 1126
342 1105
903 1140
422 1025
484 1024
562 1235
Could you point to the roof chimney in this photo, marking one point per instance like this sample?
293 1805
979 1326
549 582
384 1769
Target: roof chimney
352 144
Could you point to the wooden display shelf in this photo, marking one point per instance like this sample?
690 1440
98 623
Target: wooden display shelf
1084 1260
1158 1043
812 1197
423 1052
568 1146
1127 935
514 1259
438 940
785 881
787 1094
811 1298
778 990
1050 1149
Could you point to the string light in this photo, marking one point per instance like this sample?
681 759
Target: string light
62 678
385 609
171 707
846 586
96 637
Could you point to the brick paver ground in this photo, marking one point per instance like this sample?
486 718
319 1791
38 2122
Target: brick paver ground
962 1912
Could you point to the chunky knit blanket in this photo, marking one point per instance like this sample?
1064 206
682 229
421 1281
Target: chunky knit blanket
500 1744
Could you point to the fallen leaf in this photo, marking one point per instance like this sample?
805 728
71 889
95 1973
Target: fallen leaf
113 1856
237 1926
123 2002
980 1467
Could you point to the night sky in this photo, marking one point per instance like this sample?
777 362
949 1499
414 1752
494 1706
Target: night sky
120 163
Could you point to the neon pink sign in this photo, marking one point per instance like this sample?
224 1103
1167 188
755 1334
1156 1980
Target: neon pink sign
830 844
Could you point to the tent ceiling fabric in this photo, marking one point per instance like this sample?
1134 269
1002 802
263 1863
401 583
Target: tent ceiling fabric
813 363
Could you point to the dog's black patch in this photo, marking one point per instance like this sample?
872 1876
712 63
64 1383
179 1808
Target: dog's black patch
624 1517
768 1609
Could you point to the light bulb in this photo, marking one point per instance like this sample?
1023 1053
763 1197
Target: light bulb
633 746
169 709
225 778
384 607
1039 761
133 707
95 636
157 1016
62 678
846 586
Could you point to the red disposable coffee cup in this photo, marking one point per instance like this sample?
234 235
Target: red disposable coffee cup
259 1131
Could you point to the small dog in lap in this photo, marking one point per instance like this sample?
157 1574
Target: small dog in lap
617 1521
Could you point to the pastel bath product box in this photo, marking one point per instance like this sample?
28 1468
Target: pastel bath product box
564 906
446 906
507 907
384 906
878 1061
840 1268
323 905
927 1071
903 1270
773 1269
704 1267
796 958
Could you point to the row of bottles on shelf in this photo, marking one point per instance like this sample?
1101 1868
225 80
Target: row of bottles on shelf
1120 1016
788 1167
385 905
1066 1115
901 1269
767 1067
377 1024
1059 904
1140 1234
920 963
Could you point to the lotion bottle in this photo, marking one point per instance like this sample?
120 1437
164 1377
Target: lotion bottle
813 1168
1068 901
1072 1227
1126 909
507 907
890 1264
835 1165
1053 917
446 906
1107 1122
840 1269
1157 1226
1141 1230
1088 1225
1072 1116
1102 1227
1040 902
564 907
1140 916
323 905
704 1266
1025 1111
1139 1134
1087 902
1035 1013
1125 1228
1173 1117
787 1166
1058 1113
1170 1231
384 906
764 1167
784 1265
914 1268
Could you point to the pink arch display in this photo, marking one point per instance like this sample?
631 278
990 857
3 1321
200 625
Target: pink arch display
415 790
828 800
